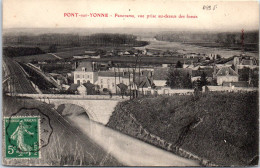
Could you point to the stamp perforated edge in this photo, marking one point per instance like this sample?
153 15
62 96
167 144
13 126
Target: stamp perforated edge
4 143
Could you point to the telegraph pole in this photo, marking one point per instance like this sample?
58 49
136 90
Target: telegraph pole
134 82
242 40
139 69
129 83
136 60
115 80
118 72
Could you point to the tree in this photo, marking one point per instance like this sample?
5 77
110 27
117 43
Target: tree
218 56
197 87
122 87
244 74
179 65
52 48
178 79
203 79
101 52
187 81
254 79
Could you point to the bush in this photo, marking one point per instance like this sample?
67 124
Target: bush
176 78
217 126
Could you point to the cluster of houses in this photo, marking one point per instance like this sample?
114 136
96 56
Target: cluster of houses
89 79
112 80
144 51
109 53
98 78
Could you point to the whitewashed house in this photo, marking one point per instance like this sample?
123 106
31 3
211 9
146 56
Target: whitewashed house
226 74
85 72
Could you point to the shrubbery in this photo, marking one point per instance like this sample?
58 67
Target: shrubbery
221 126
177 78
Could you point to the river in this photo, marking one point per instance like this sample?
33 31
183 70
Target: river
187 48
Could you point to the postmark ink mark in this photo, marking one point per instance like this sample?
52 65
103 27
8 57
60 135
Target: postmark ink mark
24 137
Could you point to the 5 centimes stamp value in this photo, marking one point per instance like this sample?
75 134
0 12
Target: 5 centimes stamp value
22 137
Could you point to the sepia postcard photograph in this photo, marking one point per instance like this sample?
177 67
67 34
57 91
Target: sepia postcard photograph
130 83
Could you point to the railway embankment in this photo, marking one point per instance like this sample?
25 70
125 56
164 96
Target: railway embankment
218 128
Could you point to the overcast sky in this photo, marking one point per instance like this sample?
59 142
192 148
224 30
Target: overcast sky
50 14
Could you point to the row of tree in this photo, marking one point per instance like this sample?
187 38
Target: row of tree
74 40
177 78
224 39
21 51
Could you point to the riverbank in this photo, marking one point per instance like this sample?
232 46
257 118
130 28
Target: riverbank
217 128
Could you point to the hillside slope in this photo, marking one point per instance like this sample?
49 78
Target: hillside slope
221 127
67 146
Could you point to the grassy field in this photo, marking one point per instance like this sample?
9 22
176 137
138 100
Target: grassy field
64 53
123 59
220 127
30 58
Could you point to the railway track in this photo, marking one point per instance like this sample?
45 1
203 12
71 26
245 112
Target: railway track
16 78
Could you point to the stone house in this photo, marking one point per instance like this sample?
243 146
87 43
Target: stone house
226 74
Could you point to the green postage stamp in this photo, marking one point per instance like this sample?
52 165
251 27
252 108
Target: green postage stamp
22 137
